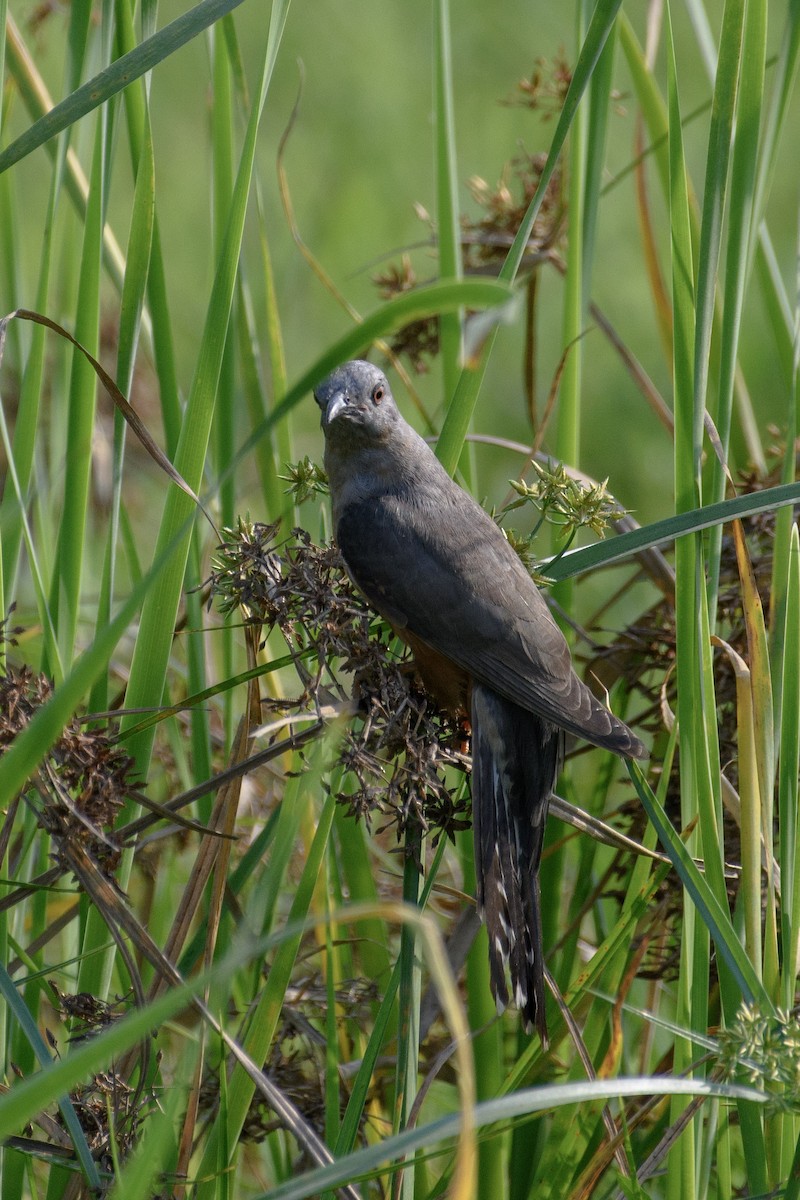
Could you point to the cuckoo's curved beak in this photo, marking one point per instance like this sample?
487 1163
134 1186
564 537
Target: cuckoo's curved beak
334 406
331 401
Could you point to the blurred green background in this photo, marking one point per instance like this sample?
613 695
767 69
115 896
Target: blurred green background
360 157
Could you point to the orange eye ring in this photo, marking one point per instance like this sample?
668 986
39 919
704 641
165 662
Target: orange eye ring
378 392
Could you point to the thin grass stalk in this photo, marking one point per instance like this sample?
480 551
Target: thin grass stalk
779 611
77 35
764 741
410 994
788 802
726 85
282 436
748 426
586 868
3 14
751 802
784 78
600 105
587 156
222 133
715 917
358 874
27 419
342 962
681 1179
133 294
738 259
275 499
460 410
222 431
488 1037
447 207
788 788
568 414
224 435
218 863
67 167
567 435
196 651
65 590
583 201
654 112
158 307
333 1039
703 733
159 330
701 729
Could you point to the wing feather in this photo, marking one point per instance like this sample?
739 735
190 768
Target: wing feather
440 567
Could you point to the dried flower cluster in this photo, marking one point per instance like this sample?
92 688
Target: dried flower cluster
763 1049
297 1057
419 340
110 1114
486 239
83 780
395 750
87 1015
567 502
545 89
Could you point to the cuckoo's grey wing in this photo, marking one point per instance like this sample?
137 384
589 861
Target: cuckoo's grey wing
448 576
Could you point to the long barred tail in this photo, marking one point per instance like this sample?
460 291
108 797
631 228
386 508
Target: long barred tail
516 757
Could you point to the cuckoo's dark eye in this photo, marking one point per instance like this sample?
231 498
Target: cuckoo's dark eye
378 392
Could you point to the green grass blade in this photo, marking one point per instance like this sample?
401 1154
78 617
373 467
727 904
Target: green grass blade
133 295
447 207
264 1018
119 75
151 654
741 221
409 996
716 919
588 558
154 1156
789 767
726 86
65 591
567 433
363 1163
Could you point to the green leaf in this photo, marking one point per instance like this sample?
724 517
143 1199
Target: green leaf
119 75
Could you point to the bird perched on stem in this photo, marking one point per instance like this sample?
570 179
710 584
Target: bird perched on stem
439 569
